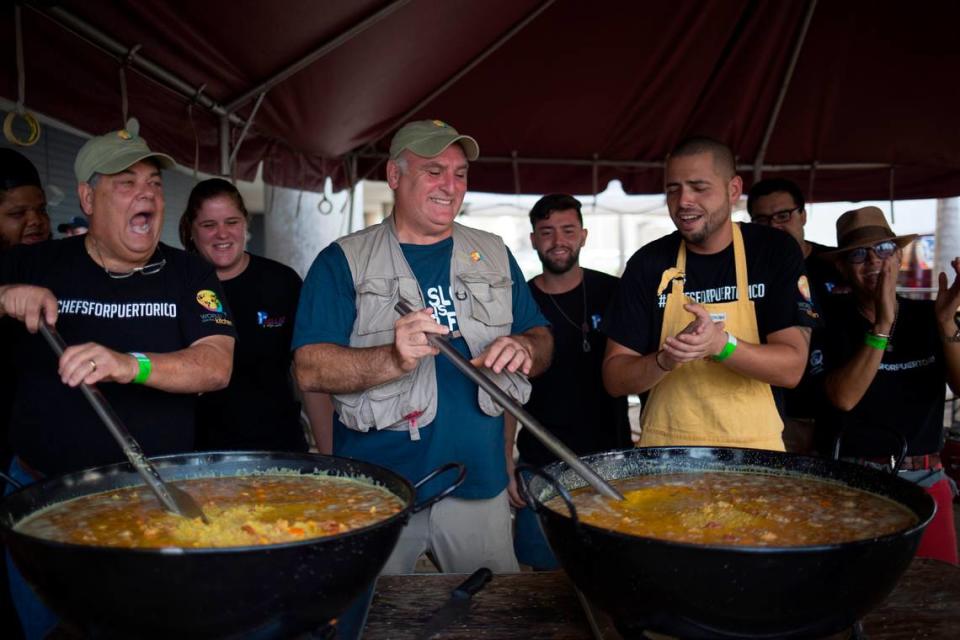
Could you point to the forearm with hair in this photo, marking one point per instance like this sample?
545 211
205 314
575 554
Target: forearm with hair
331 368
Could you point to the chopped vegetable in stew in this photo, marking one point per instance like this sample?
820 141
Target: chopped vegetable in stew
745 509
248 510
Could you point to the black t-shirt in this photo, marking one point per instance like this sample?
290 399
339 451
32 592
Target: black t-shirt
774 271
826 283
258 410
908 393
53 427
569 398
824 275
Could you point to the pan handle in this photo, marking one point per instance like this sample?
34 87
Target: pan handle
532 500
429 502
899 437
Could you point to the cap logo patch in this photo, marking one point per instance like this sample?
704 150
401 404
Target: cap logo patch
440 123
209 301
123 134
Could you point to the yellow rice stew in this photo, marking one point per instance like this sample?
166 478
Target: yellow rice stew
740 509
247 510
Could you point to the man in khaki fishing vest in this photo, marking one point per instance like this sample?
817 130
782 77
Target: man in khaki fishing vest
397 404
710 316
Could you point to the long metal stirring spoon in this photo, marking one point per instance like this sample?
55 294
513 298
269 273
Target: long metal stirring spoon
173 499
513 407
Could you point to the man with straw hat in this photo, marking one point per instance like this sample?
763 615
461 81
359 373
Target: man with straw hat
887 359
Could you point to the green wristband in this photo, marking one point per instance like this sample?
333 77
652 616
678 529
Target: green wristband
876 342
145 368
728 348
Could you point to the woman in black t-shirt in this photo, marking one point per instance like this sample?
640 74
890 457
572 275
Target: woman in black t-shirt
258 410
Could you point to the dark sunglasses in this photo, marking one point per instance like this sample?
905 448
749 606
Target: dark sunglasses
882 250
777 216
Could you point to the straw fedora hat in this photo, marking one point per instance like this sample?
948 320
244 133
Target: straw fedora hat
864 227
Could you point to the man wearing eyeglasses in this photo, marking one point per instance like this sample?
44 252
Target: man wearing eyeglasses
887 360
709 317
144 319
146 324
779 203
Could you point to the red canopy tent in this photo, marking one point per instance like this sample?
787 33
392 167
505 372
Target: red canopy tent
854 100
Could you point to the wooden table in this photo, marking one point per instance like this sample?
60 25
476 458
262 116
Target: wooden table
544 606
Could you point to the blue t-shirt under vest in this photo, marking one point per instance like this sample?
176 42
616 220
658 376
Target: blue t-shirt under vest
461 432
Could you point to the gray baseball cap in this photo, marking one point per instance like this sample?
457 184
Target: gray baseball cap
115 151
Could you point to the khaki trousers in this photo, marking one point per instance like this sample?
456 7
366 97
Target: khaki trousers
461 535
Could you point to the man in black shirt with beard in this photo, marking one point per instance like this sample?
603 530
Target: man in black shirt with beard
569 398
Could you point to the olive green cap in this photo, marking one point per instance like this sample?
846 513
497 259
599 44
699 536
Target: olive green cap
430 138
114 152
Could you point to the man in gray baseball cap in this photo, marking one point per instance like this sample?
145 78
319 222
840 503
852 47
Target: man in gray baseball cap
397 403
147 324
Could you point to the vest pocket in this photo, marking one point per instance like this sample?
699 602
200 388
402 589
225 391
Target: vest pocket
491 297
386 404
378 407
376 298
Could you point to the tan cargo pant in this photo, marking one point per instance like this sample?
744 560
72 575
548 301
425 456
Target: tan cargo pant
461 535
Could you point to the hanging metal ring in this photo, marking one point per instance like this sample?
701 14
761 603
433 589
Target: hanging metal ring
32 124
325 206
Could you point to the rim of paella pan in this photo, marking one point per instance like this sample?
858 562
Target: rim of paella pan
742 468
178 551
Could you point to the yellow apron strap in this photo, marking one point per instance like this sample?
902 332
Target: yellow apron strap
740 259
703 402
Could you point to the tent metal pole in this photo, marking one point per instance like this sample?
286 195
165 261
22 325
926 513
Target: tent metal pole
90 33
645 164
224 146
762 152
246 128
464 71
315 55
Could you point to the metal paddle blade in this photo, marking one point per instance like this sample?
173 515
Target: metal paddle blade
173 499
184 504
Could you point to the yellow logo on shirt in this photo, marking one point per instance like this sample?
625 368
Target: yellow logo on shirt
209 301
804 286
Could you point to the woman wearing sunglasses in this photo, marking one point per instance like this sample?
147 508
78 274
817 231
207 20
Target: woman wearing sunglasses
887 359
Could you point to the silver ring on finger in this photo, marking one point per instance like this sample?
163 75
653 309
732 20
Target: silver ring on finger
93 365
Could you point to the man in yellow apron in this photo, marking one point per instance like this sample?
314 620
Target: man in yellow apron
709 317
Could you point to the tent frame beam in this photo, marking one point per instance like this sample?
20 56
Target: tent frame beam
647 164
117 49
483 55
315 55
782 95
113 47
